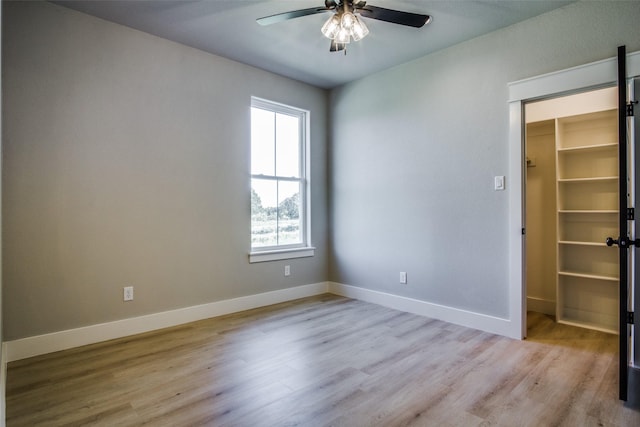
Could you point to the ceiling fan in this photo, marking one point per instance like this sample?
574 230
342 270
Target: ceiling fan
344 25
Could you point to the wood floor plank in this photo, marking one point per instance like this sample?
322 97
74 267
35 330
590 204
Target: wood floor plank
326 361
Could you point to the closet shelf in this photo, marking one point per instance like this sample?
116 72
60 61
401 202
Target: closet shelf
581 135
572 242
588 147
590 179
589 276
588 211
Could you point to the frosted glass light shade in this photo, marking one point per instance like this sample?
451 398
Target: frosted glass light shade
331 28
359 30
343 36
347 21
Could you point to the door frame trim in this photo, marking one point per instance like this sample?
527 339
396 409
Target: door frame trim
589 76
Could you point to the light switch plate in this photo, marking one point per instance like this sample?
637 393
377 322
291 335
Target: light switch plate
499 183
403 277
128 293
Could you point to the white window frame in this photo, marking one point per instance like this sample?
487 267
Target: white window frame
299 250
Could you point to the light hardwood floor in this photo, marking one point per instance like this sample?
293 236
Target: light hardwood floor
326 361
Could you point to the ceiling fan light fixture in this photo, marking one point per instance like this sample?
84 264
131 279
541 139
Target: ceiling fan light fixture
348 20
331 28
343 36
359 30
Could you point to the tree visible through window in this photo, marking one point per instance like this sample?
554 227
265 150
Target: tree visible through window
278 185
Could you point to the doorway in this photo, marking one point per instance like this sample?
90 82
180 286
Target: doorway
575 80
570 81
571 181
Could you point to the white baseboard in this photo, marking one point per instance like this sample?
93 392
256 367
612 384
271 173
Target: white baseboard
540 305
62 340
457 316
56 341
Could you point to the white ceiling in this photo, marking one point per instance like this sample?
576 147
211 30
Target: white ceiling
296 48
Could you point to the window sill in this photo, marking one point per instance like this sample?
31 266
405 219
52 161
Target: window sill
280 254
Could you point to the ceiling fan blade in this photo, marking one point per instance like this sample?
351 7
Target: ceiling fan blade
273 19
409 19
337 47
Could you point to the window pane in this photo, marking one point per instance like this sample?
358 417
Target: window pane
278 181
289 213
264 209
287 145
263 142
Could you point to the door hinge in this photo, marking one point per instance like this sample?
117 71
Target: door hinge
630 318
630 108
631 214
523 232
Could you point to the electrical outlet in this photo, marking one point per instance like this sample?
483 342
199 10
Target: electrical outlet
287 270
403 277
128 293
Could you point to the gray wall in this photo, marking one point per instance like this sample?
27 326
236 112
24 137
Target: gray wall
412 169
126 163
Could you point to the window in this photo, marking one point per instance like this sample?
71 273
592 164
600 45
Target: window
279 184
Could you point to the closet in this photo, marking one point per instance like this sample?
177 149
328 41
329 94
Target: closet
572 207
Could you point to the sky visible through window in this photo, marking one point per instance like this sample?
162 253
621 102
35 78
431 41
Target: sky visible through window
268 158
